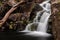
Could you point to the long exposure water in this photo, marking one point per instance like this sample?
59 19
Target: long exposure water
42 22
41 31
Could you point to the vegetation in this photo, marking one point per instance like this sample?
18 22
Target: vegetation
16 14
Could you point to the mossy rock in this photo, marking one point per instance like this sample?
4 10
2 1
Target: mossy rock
0 3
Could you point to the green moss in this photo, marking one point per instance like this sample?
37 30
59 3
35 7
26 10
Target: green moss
59 13
11 25
32 27
0 3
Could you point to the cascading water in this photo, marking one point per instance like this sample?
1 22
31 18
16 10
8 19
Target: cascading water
42 23
44 18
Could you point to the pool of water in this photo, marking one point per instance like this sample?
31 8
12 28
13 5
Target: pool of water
20 36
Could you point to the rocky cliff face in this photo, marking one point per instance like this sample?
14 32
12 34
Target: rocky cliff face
56 19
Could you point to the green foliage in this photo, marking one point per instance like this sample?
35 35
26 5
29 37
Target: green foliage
0 3
58 12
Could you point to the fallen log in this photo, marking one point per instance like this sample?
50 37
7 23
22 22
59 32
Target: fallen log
9 12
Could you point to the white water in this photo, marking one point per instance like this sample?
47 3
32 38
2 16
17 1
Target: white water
42 23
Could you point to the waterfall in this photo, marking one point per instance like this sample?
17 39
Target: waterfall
42 23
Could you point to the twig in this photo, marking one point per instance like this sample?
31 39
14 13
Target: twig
54 2
9 12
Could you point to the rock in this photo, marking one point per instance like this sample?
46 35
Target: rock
56 20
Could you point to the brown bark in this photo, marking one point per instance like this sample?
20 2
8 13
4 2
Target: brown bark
9 12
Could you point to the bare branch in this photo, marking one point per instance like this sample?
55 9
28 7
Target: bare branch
9 12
